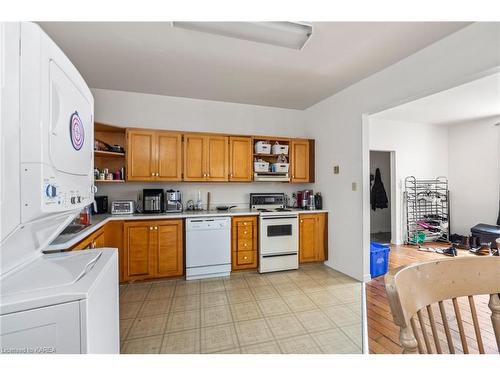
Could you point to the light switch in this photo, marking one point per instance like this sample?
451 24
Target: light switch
336 169
354 186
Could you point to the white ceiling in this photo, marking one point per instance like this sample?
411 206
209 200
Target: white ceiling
473 100
156 58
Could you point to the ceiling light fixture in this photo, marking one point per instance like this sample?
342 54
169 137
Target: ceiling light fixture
284 34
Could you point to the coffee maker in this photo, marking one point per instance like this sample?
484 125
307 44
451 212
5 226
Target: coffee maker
153 201
174 201
303 198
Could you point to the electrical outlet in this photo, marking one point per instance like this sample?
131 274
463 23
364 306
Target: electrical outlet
354 186
336 169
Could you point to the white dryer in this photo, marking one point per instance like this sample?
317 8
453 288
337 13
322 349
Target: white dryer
60 303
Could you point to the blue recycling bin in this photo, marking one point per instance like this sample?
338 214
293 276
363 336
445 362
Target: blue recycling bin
379 259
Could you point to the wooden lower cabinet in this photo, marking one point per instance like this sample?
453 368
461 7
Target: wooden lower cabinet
244 243
113 237
93 241
313 237
153 249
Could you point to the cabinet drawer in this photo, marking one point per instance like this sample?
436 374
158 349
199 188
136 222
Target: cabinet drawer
245 245
245 257
245 232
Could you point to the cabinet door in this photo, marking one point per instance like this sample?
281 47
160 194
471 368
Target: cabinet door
84 244
312 237
113 237
99 240
217 158
194 158
240 159
141 155
307 238
169 259
139 249
300 161
169 156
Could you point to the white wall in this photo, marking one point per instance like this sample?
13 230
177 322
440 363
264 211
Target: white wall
130 109
380 219
420 150
337 125
474 173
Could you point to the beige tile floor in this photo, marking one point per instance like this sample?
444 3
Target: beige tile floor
311 310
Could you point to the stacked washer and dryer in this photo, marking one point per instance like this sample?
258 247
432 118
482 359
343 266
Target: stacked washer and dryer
49 303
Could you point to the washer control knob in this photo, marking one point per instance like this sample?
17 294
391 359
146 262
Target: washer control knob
73 200
51 191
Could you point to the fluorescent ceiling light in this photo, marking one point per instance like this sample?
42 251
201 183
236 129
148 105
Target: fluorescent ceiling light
283 34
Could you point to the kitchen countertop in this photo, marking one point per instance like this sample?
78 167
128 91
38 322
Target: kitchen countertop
66 241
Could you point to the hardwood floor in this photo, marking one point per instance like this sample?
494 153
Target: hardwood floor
383 334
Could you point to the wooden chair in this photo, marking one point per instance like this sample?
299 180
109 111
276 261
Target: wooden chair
413 289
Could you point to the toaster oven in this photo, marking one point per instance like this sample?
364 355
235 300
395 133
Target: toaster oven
122 207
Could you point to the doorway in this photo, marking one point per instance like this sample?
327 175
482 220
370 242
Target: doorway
380 205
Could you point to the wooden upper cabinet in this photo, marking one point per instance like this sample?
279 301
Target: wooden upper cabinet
240 159
194 157
169 156
301 161
313 237
170 260
217 158
141 155
205 158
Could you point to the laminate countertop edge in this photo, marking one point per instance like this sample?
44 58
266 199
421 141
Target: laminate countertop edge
66 241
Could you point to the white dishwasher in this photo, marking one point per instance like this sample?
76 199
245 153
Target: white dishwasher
208 247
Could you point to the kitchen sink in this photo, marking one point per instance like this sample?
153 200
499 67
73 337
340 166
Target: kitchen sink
74 228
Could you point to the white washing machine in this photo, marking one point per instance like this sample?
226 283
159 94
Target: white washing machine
60 303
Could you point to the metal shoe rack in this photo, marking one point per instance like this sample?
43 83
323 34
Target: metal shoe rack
427 210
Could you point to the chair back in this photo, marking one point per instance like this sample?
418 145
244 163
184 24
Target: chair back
451 284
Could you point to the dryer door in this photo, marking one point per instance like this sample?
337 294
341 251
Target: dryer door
70 124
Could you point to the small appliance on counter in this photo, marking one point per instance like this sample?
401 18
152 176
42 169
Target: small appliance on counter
100 205
303 200
318 201
123 207
174 201
153 201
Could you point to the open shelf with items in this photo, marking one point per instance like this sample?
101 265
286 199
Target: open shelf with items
109 154
109 151
271 159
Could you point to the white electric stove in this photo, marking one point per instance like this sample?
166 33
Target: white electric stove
278 228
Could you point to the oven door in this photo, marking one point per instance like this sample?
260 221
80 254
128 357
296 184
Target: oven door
279 235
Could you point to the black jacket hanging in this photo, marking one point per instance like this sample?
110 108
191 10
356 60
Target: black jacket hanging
378 196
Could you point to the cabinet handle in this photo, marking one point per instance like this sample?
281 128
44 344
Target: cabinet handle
150 228
231 175
245 258
302 221
156 228
245 232
157 174
152 174
208 174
